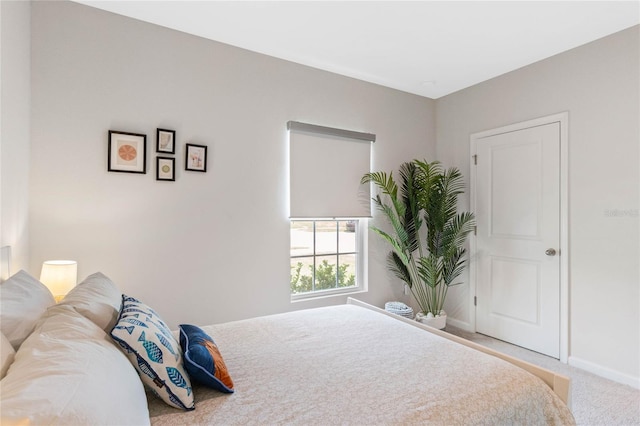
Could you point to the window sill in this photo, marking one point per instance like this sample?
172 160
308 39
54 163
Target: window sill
325 294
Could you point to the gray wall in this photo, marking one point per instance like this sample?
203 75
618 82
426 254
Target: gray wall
598 84
15 101
209 247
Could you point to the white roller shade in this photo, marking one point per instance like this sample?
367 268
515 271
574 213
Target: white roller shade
326 166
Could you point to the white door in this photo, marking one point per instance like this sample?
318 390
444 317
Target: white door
517 207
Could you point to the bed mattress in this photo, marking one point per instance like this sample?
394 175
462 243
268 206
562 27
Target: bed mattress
350 365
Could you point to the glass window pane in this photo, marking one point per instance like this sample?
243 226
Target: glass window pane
301 275
326 237
347 236
347 270
301 238
324 255
326 272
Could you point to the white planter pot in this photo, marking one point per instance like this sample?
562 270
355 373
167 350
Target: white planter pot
439 321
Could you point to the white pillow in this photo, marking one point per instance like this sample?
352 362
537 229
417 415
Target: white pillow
23 300
70 372
7 354
98 299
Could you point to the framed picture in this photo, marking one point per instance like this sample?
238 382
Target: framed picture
166 141
127 152
165 168
196 158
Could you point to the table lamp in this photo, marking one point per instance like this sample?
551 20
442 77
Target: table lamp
60 276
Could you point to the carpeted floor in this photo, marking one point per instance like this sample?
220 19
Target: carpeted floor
595 401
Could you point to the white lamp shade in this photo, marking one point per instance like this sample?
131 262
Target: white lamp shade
60 276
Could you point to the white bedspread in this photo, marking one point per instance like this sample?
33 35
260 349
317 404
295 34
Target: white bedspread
349 365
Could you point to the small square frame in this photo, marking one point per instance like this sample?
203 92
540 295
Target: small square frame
166 141
127 152
165 168
196 158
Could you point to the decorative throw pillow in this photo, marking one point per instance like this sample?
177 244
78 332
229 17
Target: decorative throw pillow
98 299
154 352
23 301
203 360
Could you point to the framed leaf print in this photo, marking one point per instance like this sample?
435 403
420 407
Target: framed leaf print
166 141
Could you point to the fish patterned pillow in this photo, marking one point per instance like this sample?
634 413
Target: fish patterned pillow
154 352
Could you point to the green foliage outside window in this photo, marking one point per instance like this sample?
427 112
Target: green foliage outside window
325 277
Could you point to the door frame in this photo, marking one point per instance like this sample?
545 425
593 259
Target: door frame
563 119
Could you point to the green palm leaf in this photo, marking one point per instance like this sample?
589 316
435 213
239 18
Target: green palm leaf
426 197
399 268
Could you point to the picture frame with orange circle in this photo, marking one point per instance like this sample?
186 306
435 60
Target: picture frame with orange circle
127 152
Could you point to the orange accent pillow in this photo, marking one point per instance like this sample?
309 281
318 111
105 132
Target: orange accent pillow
203 360
221 372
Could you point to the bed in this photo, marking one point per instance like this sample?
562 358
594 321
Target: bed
347 364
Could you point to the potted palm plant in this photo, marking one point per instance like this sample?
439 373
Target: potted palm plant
427 233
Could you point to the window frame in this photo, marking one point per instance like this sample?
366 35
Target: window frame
360 254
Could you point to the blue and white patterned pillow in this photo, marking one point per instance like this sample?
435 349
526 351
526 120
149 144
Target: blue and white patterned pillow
154 352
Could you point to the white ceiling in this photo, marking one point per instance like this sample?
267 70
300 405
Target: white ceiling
430 48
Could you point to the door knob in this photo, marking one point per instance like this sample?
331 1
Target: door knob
550 252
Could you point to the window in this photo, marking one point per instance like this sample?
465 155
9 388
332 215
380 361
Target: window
325 257
328 209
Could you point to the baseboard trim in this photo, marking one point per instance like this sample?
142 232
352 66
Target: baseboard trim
605 372
460 324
